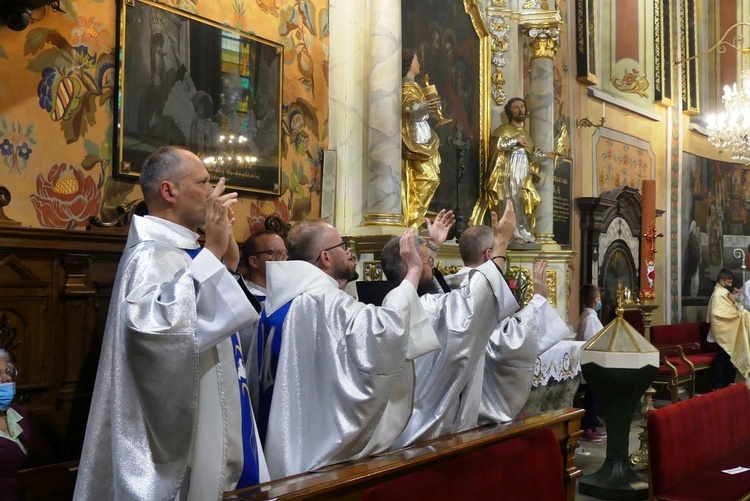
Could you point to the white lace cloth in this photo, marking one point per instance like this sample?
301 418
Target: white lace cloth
561 362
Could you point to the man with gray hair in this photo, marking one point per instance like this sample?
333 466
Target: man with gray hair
169 418
502 379
463 320
336 377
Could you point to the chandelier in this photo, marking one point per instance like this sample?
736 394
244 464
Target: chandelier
730 129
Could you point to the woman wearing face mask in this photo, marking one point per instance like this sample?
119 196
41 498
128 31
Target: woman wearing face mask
589 326
20 446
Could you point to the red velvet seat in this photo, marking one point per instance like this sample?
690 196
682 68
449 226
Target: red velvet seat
691 442
523 468
689 337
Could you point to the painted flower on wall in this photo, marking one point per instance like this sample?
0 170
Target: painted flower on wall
92 34
260 210
65 199
16 144
298 33
75 78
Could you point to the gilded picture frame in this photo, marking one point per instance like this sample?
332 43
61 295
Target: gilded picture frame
190 82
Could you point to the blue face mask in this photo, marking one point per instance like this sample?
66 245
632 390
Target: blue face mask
598 306
7 394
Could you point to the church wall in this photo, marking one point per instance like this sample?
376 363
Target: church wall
56 116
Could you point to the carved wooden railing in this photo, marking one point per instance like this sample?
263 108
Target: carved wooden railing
349 480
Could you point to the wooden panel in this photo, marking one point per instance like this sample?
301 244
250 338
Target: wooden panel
55 287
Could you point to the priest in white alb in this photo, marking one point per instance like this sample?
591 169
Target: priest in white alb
463 319
503 377
171 417
336 376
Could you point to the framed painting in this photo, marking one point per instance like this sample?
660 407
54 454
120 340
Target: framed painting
189 82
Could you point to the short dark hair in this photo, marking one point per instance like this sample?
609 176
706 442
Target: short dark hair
407 56
510 103
163 164
725 274
250 246
588 294
303 240
393 265
473 242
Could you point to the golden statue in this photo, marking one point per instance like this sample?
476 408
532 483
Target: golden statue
420 158
512 172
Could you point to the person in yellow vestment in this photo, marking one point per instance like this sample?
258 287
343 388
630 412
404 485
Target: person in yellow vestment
420 158
512 172
730 328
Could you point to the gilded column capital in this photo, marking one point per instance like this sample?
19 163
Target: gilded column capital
544 41
500 3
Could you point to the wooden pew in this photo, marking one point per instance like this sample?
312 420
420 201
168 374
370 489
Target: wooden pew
350 480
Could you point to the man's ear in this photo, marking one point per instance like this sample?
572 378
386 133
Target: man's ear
166 189
252 263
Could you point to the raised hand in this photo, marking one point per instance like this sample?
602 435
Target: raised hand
502 230
438 230
232 255
539 279
411 256
218 225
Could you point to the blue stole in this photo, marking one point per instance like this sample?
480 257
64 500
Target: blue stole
269 348
250 465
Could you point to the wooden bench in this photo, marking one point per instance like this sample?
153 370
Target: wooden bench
497 456
691 442
368 478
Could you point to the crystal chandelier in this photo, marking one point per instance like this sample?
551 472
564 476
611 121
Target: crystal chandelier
730 129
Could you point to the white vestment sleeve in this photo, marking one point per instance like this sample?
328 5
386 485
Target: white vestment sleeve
223 308
552 329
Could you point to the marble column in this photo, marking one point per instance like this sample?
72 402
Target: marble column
544 44
383 174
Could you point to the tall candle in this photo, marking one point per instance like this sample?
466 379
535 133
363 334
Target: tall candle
648 240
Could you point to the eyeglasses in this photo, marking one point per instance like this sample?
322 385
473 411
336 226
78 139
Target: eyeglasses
9 374
342 244
269 252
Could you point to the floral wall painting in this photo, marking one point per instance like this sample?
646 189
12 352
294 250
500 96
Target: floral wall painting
76 76
65 198
622 160
189 82
16 141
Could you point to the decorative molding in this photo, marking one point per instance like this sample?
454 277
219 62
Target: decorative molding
535 5
498 27
632 82
663 92
551 278
586 42
605 96
688 51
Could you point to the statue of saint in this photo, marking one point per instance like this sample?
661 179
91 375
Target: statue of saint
420 158
511 173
